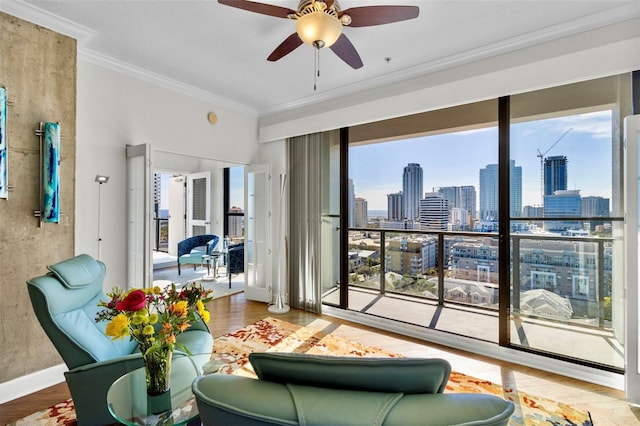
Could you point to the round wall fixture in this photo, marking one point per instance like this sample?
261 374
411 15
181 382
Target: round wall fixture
212 117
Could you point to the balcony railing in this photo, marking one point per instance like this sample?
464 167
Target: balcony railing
161 229
556 278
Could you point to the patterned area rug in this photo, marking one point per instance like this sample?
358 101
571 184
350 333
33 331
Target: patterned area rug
274 335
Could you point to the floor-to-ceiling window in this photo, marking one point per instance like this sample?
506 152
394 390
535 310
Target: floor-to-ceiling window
234 203
566 243
435 203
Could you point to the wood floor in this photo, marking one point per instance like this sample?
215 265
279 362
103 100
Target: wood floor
607 406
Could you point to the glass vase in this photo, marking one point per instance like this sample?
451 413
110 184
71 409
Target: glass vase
157 366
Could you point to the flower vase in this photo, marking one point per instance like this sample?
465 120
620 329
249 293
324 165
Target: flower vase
157 366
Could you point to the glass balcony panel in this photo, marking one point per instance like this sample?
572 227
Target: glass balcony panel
471 270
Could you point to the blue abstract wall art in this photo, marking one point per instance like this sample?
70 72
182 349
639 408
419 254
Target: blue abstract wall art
3 144
51 172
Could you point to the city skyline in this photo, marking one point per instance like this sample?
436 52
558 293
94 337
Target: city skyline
455 159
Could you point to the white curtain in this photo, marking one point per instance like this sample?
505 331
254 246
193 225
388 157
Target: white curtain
305 191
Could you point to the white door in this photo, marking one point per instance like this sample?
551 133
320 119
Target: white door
257 244
139 216
176 213
632 259
198 204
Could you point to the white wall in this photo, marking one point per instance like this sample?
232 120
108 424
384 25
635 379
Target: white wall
114 110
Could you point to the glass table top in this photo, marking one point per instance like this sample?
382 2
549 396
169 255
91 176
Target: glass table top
129 403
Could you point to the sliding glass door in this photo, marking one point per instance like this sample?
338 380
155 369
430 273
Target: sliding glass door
567 294
499 220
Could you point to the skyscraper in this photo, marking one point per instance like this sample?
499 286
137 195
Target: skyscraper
555 174
394 206
434 212
360 213
489 191
468 199
236 223
352 198
412 191
452 194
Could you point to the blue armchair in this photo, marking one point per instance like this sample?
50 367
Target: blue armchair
235 260
65 302
187 254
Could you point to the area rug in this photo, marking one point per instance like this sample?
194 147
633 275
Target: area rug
275 335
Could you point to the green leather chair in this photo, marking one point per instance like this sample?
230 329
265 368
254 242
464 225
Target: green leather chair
299 389
65 302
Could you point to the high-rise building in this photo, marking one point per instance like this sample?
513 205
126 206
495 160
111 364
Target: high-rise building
434 212
411 191
468 199
157 185
452 195
595 206
563 204
489 191
360 213
352 196
463 197
236 223
394 206
555 174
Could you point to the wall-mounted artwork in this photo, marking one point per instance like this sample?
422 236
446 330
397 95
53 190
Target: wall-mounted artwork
3 144
51 172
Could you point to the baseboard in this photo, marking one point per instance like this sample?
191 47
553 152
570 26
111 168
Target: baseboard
31 383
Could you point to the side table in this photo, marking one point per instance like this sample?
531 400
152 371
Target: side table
129 403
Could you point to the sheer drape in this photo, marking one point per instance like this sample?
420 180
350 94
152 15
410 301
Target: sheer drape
305 189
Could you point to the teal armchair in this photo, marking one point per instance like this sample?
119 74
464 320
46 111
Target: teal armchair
65 302
300 389
189 252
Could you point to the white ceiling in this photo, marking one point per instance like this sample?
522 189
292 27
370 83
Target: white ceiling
220 52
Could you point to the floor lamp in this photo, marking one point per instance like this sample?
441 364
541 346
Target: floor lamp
100 179
280 307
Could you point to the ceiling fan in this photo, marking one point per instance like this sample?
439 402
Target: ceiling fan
319 24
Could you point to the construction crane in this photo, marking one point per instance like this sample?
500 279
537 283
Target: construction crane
541 156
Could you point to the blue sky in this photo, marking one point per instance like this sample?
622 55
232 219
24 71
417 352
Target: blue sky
455 159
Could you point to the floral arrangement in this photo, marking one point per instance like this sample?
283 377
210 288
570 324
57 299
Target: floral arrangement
153 318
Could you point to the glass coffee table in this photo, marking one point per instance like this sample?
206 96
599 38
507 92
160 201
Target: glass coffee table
129 403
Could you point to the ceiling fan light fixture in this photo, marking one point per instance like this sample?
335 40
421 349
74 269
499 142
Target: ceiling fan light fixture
318 29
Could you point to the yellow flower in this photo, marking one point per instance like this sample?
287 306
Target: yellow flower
202 311
179 308
148 330
153 318
118 328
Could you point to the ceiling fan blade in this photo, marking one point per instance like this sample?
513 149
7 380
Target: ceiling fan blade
345 51
367 16
262 8
287 46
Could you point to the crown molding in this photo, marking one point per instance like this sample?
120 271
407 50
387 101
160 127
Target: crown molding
96 58
82 34
28 12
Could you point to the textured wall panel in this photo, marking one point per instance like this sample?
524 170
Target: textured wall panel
38 68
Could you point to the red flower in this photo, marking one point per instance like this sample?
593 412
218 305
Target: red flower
135 301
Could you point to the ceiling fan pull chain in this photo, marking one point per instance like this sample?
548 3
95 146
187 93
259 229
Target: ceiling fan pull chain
316 71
